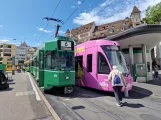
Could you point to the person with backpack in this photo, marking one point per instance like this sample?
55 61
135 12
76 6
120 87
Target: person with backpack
118 81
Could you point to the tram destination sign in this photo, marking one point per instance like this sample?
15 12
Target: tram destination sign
65 45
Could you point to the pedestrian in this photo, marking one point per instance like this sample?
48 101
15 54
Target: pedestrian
118 81
156 72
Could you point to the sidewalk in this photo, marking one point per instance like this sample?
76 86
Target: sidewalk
152 87
20 102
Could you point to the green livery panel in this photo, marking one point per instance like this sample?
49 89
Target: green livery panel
58 79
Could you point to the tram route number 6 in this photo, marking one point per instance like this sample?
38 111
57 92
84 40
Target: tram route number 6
65 45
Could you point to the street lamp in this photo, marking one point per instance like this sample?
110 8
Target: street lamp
13 63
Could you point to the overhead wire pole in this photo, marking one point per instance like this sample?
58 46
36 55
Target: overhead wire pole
56 20
48 22
69 16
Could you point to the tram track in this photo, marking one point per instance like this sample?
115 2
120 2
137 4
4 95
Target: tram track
93 105
111 112
103 105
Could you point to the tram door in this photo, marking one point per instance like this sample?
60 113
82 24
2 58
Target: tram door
79 70
41 68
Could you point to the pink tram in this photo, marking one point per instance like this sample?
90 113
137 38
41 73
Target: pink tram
94 61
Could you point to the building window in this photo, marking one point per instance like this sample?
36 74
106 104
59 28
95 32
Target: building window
103 67
7 46
7 50
6 54
1 58
111 30
122 28
9 62
89 63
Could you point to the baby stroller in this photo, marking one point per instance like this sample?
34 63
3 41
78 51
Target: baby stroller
3 81
18 70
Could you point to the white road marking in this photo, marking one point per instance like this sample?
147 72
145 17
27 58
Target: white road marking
70 99
25 93
37 95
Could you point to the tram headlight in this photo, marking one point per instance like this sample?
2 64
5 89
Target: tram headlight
67 78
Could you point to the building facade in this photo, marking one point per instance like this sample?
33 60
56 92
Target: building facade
7 51
21 52
30 52
90 31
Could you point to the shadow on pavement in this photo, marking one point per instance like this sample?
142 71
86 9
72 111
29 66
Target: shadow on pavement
155 82
11 83
9 89
10 80
132 105
78 107
138 93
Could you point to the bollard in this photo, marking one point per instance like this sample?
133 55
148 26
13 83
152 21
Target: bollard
126 94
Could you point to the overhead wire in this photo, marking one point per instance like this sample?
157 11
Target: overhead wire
48 21
70 16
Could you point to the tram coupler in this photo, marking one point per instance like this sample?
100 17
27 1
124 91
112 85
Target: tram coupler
68 89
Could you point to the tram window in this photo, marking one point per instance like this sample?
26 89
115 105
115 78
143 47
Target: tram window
78 62
41 60
54 60
48 61
89 63
103 67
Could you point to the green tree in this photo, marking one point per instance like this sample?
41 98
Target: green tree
153 14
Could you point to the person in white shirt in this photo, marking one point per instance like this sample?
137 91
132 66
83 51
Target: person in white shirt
118 81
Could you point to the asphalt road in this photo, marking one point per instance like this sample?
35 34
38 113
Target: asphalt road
20 102
90 104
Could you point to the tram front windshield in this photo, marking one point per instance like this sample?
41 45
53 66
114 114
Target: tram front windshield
63 61
115 57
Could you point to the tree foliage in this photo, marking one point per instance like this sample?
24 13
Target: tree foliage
153 14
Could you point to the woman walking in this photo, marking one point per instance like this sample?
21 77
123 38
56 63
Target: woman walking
118 81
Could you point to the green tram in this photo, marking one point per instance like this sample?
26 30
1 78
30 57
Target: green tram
53 65
31 67
27 65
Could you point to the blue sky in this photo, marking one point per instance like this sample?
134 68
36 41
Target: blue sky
22 19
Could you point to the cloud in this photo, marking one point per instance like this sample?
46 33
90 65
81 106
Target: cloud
61 32
110 11
1 26
4 41
79 2
43 30
8 41
104 3
73 7
8 38
35 34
